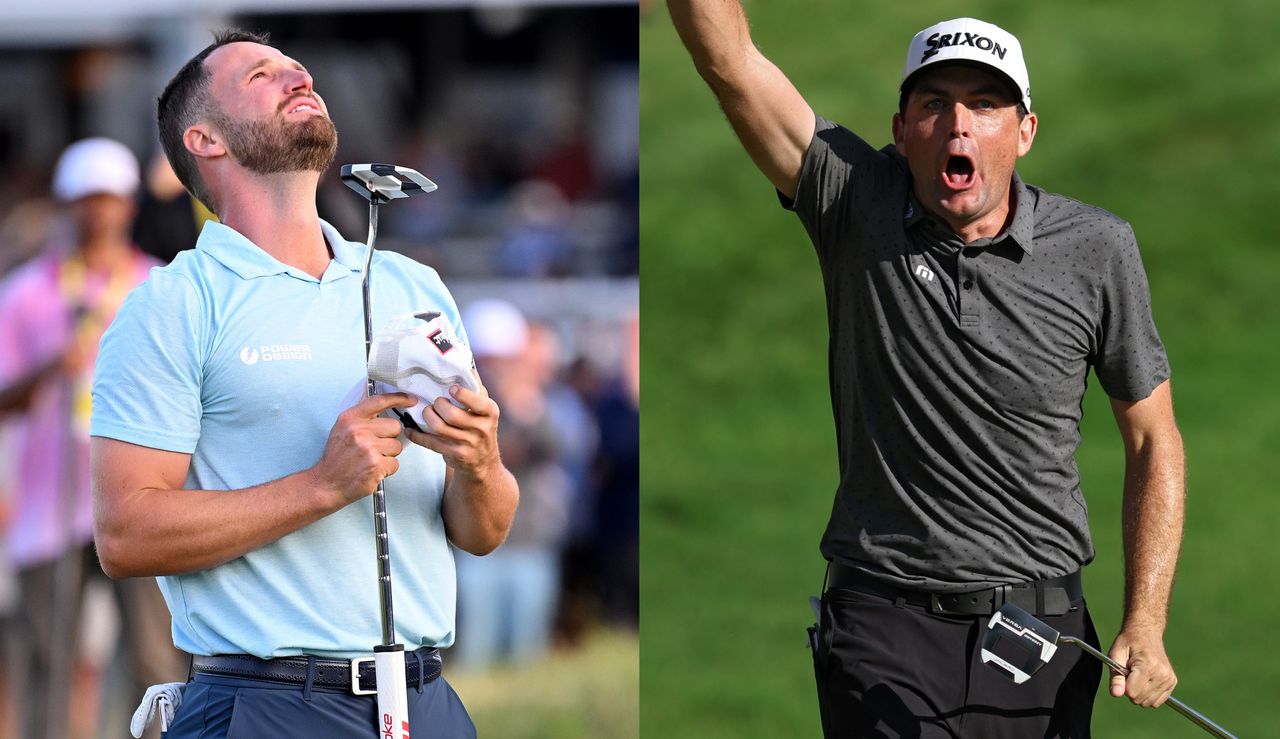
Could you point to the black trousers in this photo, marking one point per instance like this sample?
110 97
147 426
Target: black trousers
895 670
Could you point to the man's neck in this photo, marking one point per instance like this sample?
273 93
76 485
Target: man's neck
985 226
278 213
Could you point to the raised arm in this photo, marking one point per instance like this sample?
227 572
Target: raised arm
146 524
1154 488
772 120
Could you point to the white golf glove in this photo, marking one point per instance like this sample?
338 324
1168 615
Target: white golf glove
421 354
160 700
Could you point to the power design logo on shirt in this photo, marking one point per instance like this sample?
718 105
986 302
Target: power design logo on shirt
275 353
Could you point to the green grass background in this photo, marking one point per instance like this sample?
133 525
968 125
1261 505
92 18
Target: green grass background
1167 114
588 692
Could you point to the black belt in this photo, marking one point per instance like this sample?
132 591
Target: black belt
1052 597
326 673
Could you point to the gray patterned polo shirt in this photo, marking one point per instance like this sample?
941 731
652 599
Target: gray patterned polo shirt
957 371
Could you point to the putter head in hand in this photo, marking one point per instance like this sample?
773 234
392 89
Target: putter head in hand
1017 644
381 183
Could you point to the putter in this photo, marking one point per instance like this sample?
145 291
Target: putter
382 183
1018 644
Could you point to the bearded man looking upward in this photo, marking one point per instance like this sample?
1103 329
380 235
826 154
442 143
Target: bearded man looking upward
234 449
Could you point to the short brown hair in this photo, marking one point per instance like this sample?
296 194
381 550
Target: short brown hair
184 100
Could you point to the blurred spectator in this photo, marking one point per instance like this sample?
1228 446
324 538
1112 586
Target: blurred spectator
430 219
618 488
568 165
168 219
25 231
53 311
507 600
538 241
574 424
8 582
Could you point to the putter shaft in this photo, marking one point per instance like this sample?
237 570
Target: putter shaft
1193 715
380 494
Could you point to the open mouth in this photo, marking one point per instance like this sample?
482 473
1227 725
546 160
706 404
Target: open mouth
300 105
959 172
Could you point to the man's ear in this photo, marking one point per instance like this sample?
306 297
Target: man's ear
203 141
1026 133
897 130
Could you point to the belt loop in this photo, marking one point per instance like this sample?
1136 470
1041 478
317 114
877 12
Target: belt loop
422 670
1040 599
311 676
900 602
999 596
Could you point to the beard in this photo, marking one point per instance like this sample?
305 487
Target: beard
274 145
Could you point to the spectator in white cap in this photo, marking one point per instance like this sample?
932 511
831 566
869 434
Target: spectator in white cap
53 311
507 600
966 310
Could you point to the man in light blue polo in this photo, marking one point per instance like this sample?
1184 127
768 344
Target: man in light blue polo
234 449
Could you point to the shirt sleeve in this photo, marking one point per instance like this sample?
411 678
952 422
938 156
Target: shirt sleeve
1131 359
148 380
842 179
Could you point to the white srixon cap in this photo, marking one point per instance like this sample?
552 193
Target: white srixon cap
93 166
421 354
970 40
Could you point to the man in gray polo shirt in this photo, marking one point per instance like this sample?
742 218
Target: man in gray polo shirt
966 308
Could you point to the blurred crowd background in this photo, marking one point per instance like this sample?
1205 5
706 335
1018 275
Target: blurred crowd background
526 116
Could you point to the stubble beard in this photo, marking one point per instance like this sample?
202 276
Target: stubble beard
273 145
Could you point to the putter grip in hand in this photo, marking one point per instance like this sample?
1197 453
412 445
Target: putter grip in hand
1190 713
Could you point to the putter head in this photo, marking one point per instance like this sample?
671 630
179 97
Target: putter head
1017 644
382 183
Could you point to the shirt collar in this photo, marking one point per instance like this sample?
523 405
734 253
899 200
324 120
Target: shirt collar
349 254
240 255
1020 230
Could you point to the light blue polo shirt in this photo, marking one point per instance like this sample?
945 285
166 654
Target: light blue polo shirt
245 363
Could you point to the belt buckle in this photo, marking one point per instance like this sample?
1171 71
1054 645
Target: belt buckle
355 677
935 606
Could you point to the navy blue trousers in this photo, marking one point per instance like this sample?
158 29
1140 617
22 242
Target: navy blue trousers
214 707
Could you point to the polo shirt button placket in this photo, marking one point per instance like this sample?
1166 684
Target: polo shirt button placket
969 297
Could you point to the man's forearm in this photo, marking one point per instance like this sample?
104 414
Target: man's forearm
154 532
479 507
1154 492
